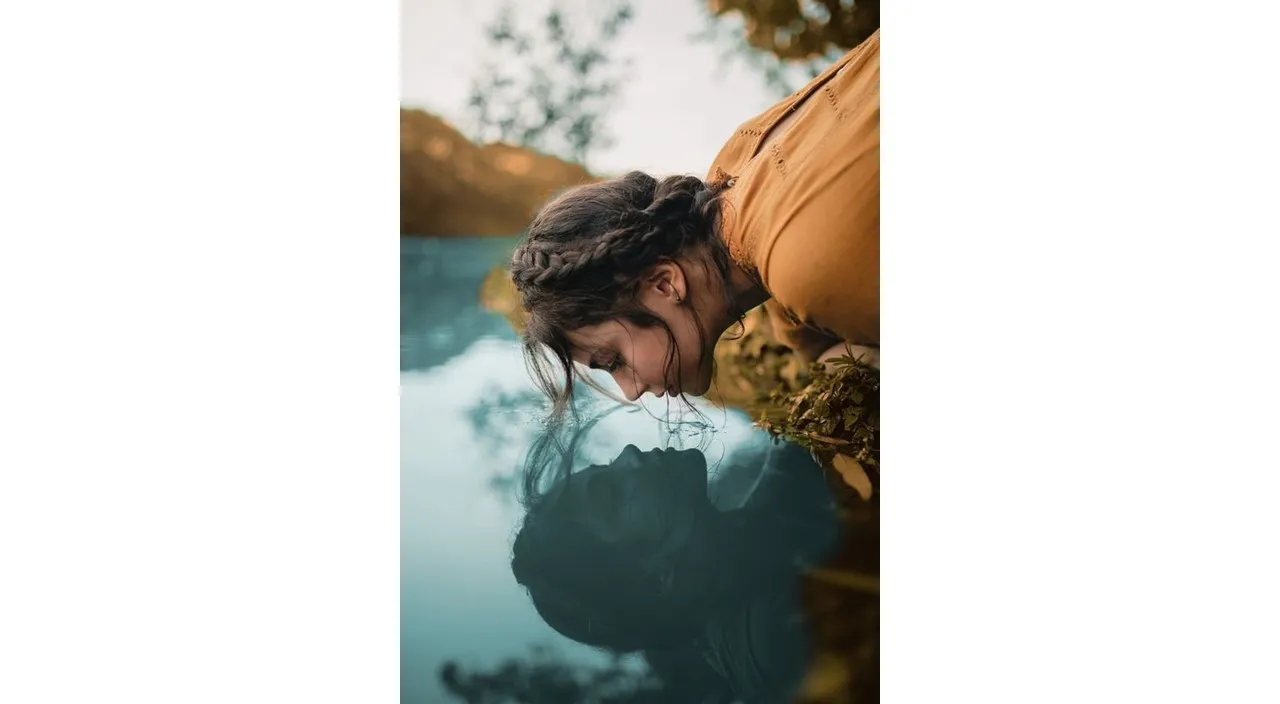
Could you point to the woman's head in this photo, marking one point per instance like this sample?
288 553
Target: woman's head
616 555
633 555
627 275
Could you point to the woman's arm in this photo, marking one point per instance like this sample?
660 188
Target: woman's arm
867 355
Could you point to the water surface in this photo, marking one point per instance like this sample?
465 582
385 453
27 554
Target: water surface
467 411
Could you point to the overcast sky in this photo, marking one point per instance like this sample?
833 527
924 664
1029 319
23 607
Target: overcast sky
679 106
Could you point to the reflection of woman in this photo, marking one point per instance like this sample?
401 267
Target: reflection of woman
633 556
640 277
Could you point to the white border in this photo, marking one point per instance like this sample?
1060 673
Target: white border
198 493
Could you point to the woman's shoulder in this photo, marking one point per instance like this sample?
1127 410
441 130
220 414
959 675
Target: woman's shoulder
740 147
742 144
762 652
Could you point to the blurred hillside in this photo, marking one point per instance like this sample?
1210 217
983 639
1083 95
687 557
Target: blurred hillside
451 186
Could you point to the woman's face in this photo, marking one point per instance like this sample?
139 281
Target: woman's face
640 497
643 360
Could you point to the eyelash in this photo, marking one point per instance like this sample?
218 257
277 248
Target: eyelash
613 365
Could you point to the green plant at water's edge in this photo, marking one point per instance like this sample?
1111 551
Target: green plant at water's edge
837 412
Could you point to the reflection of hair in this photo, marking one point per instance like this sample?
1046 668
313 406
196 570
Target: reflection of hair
581 261
614 596
589 588
709 582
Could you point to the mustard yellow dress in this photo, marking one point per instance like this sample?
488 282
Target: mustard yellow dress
803 215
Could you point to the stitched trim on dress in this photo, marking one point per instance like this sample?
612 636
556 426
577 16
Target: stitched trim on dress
833 101
778 162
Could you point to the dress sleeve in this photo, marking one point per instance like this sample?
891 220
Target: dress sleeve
823 267
819 252
808 342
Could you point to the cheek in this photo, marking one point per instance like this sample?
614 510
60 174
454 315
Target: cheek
647 355
691 346
682 361
661 367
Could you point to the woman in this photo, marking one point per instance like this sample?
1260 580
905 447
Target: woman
641 277
634 557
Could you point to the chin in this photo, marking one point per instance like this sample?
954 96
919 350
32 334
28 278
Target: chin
699 387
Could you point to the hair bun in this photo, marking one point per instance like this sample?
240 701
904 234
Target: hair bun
672 208
678 199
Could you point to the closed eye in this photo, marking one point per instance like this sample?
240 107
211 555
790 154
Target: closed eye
611 366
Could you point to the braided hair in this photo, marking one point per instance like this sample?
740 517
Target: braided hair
584 255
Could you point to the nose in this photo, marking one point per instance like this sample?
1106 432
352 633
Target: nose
630 384
630 452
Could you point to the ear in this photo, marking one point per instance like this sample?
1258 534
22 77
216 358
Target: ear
665 283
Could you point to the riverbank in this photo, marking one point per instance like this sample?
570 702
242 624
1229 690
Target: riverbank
450 186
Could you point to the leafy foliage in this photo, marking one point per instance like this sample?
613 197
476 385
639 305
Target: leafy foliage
788 42
802 29
837 412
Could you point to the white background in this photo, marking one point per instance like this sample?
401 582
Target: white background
1079 302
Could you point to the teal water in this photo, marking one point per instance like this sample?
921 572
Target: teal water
467 412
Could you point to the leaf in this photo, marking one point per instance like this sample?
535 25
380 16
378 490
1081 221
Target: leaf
853 474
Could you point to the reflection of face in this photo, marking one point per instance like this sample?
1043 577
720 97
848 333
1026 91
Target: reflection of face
641 498
639 359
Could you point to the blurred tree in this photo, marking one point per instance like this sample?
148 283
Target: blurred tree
803 29
789 41
551 93
546 678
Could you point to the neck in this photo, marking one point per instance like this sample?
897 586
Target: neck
742 552
747 293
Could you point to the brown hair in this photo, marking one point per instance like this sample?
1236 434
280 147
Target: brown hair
583 257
